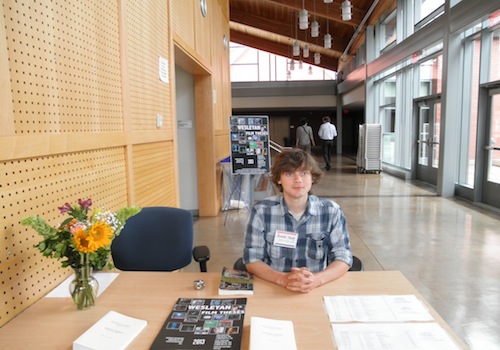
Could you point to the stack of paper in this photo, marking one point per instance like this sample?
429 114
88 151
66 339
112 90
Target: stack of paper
112 332
383 336
268 334
376 308
382 330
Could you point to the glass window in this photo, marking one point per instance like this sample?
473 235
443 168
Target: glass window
389 123
431 73
471 94
388 119
493 174
389 92
249 64
495 56
437 132
388 145
426 10
388 30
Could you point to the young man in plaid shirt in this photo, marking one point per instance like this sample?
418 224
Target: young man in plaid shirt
295 239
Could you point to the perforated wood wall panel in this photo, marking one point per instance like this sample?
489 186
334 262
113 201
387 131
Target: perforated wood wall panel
82 70
37 187
183 19
147 40
66 79
65 65
154 174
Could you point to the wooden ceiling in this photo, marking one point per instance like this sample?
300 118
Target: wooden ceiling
272 26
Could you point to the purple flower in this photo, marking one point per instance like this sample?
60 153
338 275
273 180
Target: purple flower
85 204
65 208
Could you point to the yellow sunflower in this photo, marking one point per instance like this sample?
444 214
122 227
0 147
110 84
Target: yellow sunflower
81 241
100 235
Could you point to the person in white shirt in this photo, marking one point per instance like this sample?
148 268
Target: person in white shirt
327 132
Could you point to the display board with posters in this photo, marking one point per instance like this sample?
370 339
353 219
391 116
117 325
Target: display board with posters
249 144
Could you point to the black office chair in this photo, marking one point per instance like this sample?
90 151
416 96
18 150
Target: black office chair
357 264
158 239
238 265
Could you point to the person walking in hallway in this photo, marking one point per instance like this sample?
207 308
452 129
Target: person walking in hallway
327 132
304 136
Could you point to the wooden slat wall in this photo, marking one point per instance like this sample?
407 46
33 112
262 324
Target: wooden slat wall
79 96
202 32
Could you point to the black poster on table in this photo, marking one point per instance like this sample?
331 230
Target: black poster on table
204 324
249 144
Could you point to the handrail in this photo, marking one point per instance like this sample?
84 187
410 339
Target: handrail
276 146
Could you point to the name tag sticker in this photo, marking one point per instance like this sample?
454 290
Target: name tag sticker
285 239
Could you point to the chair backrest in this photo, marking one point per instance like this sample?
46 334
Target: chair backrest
156 239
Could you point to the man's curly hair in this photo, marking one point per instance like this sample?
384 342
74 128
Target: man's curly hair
290 160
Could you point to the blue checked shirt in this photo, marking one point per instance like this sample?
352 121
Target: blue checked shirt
322 235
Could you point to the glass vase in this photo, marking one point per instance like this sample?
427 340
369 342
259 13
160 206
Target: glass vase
84 287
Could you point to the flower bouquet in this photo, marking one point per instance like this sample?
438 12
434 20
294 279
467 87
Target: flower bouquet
83 242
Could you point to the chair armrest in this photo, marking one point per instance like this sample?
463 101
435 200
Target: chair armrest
201 254
357 264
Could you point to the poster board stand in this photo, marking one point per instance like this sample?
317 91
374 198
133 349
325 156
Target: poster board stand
250 156
235 197
244 189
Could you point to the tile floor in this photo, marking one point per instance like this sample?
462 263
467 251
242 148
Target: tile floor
448 249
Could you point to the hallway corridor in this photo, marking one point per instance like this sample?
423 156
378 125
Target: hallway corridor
448 249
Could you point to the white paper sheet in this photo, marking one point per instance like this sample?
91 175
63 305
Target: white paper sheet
62 290
392 336
376 308
269 334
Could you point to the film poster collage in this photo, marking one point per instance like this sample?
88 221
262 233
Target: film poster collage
249 141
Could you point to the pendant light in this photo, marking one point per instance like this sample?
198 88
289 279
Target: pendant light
314 25
305 51
317 58
346 10
303 17
327 40
296 46
314 29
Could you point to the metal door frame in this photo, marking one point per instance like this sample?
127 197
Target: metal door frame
425 173
490 190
